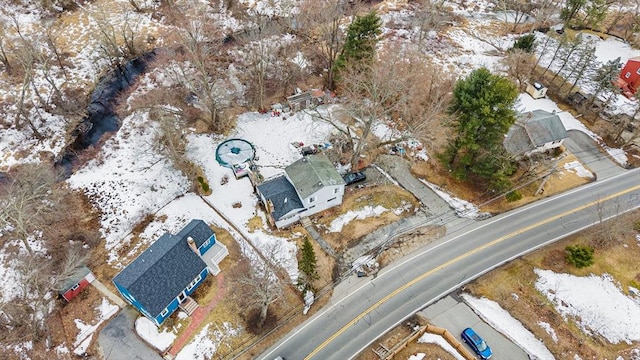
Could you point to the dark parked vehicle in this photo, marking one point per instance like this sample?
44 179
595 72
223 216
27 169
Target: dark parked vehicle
477 344
354 177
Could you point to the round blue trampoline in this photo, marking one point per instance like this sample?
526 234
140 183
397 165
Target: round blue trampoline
235 151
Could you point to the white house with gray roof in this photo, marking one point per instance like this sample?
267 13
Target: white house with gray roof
534 132
308 186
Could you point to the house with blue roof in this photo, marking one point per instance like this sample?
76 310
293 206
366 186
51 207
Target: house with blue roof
162 278
308 186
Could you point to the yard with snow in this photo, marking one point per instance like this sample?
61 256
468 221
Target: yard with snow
130 182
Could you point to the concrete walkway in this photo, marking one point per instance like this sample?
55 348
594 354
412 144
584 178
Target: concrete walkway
306 223
109 294
198 316
399 169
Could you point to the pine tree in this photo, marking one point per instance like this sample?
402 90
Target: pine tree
360 42
483 108
571 9
307 264
604 77
526 43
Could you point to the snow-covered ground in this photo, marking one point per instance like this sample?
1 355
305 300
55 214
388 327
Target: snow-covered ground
595 303
86 332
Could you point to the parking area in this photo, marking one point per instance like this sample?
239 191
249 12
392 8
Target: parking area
454 315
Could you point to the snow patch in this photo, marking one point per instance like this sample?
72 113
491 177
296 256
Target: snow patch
581 171
150 333
547 327
440 341
368 211
595 303
462 208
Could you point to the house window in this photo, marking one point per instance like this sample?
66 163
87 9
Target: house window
194 282
164 312
205 244
628 74
330 200
75 287
335 191
312 199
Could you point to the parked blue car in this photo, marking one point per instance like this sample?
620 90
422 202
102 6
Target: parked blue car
477 344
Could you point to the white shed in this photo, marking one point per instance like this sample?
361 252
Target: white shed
536 90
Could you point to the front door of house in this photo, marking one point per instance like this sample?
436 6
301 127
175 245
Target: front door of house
182 297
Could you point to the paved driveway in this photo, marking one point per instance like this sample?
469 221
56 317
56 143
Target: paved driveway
118 340
591 155
455 316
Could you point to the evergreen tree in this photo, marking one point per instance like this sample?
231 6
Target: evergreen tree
604 77
360 42
307 264
526 43
571 9
483 109
579 256
595 13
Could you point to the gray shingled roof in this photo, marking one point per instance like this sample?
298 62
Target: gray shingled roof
161 272
311 173
281 194
534 129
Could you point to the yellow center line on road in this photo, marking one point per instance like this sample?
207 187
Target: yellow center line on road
455 260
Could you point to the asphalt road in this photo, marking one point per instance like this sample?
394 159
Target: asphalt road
362 310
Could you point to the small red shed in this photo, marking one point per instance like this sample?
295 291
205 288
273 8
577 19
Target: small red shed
629 80
80 279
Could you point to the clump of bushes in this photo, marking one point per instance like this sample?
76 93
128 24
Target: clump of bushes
512 196
203 185
580 256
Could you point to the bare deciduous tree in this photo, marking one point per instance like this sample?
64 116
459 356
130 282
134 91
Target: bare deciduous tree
430 15
201 70
321 22
25 201
118 43
519 64
401 88
520 10
262 284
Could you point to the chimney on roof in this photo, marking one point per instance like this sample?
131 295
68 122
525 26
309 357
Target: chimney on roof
192 245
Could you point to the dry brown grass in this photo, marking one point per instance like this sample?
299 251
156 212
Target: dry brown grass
387 196
407 244
512 286
560 181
